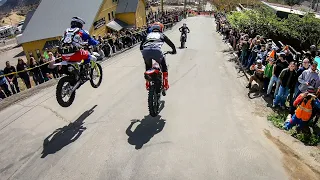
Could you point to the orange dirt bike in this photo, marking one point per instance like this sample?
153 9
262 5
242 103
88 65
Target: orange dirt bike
155 77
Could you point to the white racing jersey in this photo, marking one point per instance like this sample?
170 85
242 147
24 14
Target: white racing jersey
154 40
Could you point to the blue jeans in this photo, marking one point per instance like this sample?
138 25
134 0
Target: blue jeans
294 121
282 95
273 80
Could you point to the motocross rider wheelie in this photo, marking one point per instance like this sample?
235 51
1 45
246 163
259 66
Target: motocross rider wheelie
73 40
151 49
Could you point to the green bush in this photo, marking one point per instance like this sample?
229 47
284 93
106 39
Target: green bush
302 30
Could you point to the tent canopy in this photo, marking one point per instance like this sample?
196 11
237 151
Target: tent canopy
117 25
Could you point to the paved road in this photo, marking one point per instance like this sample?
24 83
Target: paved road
206 130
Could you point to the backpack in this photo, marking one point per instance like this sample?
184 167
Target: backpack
305 107
71 41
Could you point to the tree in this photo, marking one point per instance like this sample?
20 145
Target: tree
292 2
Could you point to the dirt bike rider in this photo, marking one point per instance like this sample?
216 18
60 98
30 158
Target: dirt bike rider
184 30
72 44
151 49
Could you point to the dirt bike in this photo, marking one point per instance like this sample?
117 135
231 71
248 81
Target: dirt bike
183 40
76 75
154 76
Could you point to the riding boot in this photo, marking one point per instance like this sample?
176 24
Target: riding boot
165 81
147 85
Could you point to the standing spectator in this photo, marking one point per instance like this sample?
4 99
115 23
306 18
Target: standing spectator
280 65
287 80
3 84
22 66
288 57
44 68
268 73
309 77
244 49
37 76
12 79
305 66
52 68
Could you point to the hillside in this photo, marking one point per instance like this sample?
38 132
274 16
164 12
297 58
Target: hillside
18 5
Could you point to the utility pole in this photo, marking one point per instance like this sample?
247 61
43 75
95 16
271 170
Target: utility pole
161 5
185 9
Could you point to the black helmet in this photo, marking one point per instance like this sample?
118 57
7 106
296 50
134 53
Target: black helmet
77 22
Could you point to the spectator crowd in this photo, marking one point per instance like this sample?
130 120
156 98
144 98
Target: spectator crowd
281 73
39 71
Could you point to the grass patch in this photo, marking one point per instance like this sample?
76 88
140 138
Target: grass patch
309 137
278 119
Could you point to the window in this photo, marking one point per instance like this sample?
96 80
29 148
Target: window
109 16
112 15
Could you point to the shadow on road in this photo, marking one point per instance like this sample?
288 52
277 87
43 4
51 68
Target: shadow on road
63 136
147 128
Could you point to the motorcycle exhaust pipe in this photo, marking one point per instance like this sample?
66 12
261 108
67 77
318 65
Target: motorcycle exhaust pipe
75 87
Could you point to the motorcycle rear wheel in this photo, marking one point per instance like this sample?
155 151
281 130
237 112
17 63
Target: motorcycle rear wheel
153 101
59 92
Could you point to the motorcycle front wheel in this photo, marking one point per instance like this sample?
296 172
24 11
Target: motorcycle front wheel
63 89
98 76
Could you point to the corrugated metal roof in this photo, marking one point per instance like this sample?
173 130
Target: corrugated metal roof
52 17
127 6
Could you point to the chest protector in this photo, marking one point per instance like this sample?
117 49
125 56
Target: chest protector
71 41
154 40
304 109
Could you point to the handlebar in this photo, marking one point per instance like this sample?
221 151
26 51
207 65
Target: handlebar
167 52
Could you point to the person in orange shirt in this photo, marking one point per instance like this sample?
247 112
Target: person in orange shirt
306 104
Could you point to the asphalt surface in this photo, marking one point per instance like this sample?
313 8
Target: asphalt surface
206 130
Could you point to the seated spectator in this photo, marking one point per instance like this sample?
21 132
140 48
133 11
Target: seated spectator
258 74
287 80
4 85
12 79
22 66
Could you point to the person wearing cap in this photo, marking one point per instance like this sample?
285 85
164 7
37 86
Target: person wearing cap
258 74
280 65
288 56
287 80
313 51
306 104
268 72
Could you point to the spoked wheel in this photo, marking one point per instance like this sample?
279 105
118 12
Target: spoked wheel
153 101
63 92
96 76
